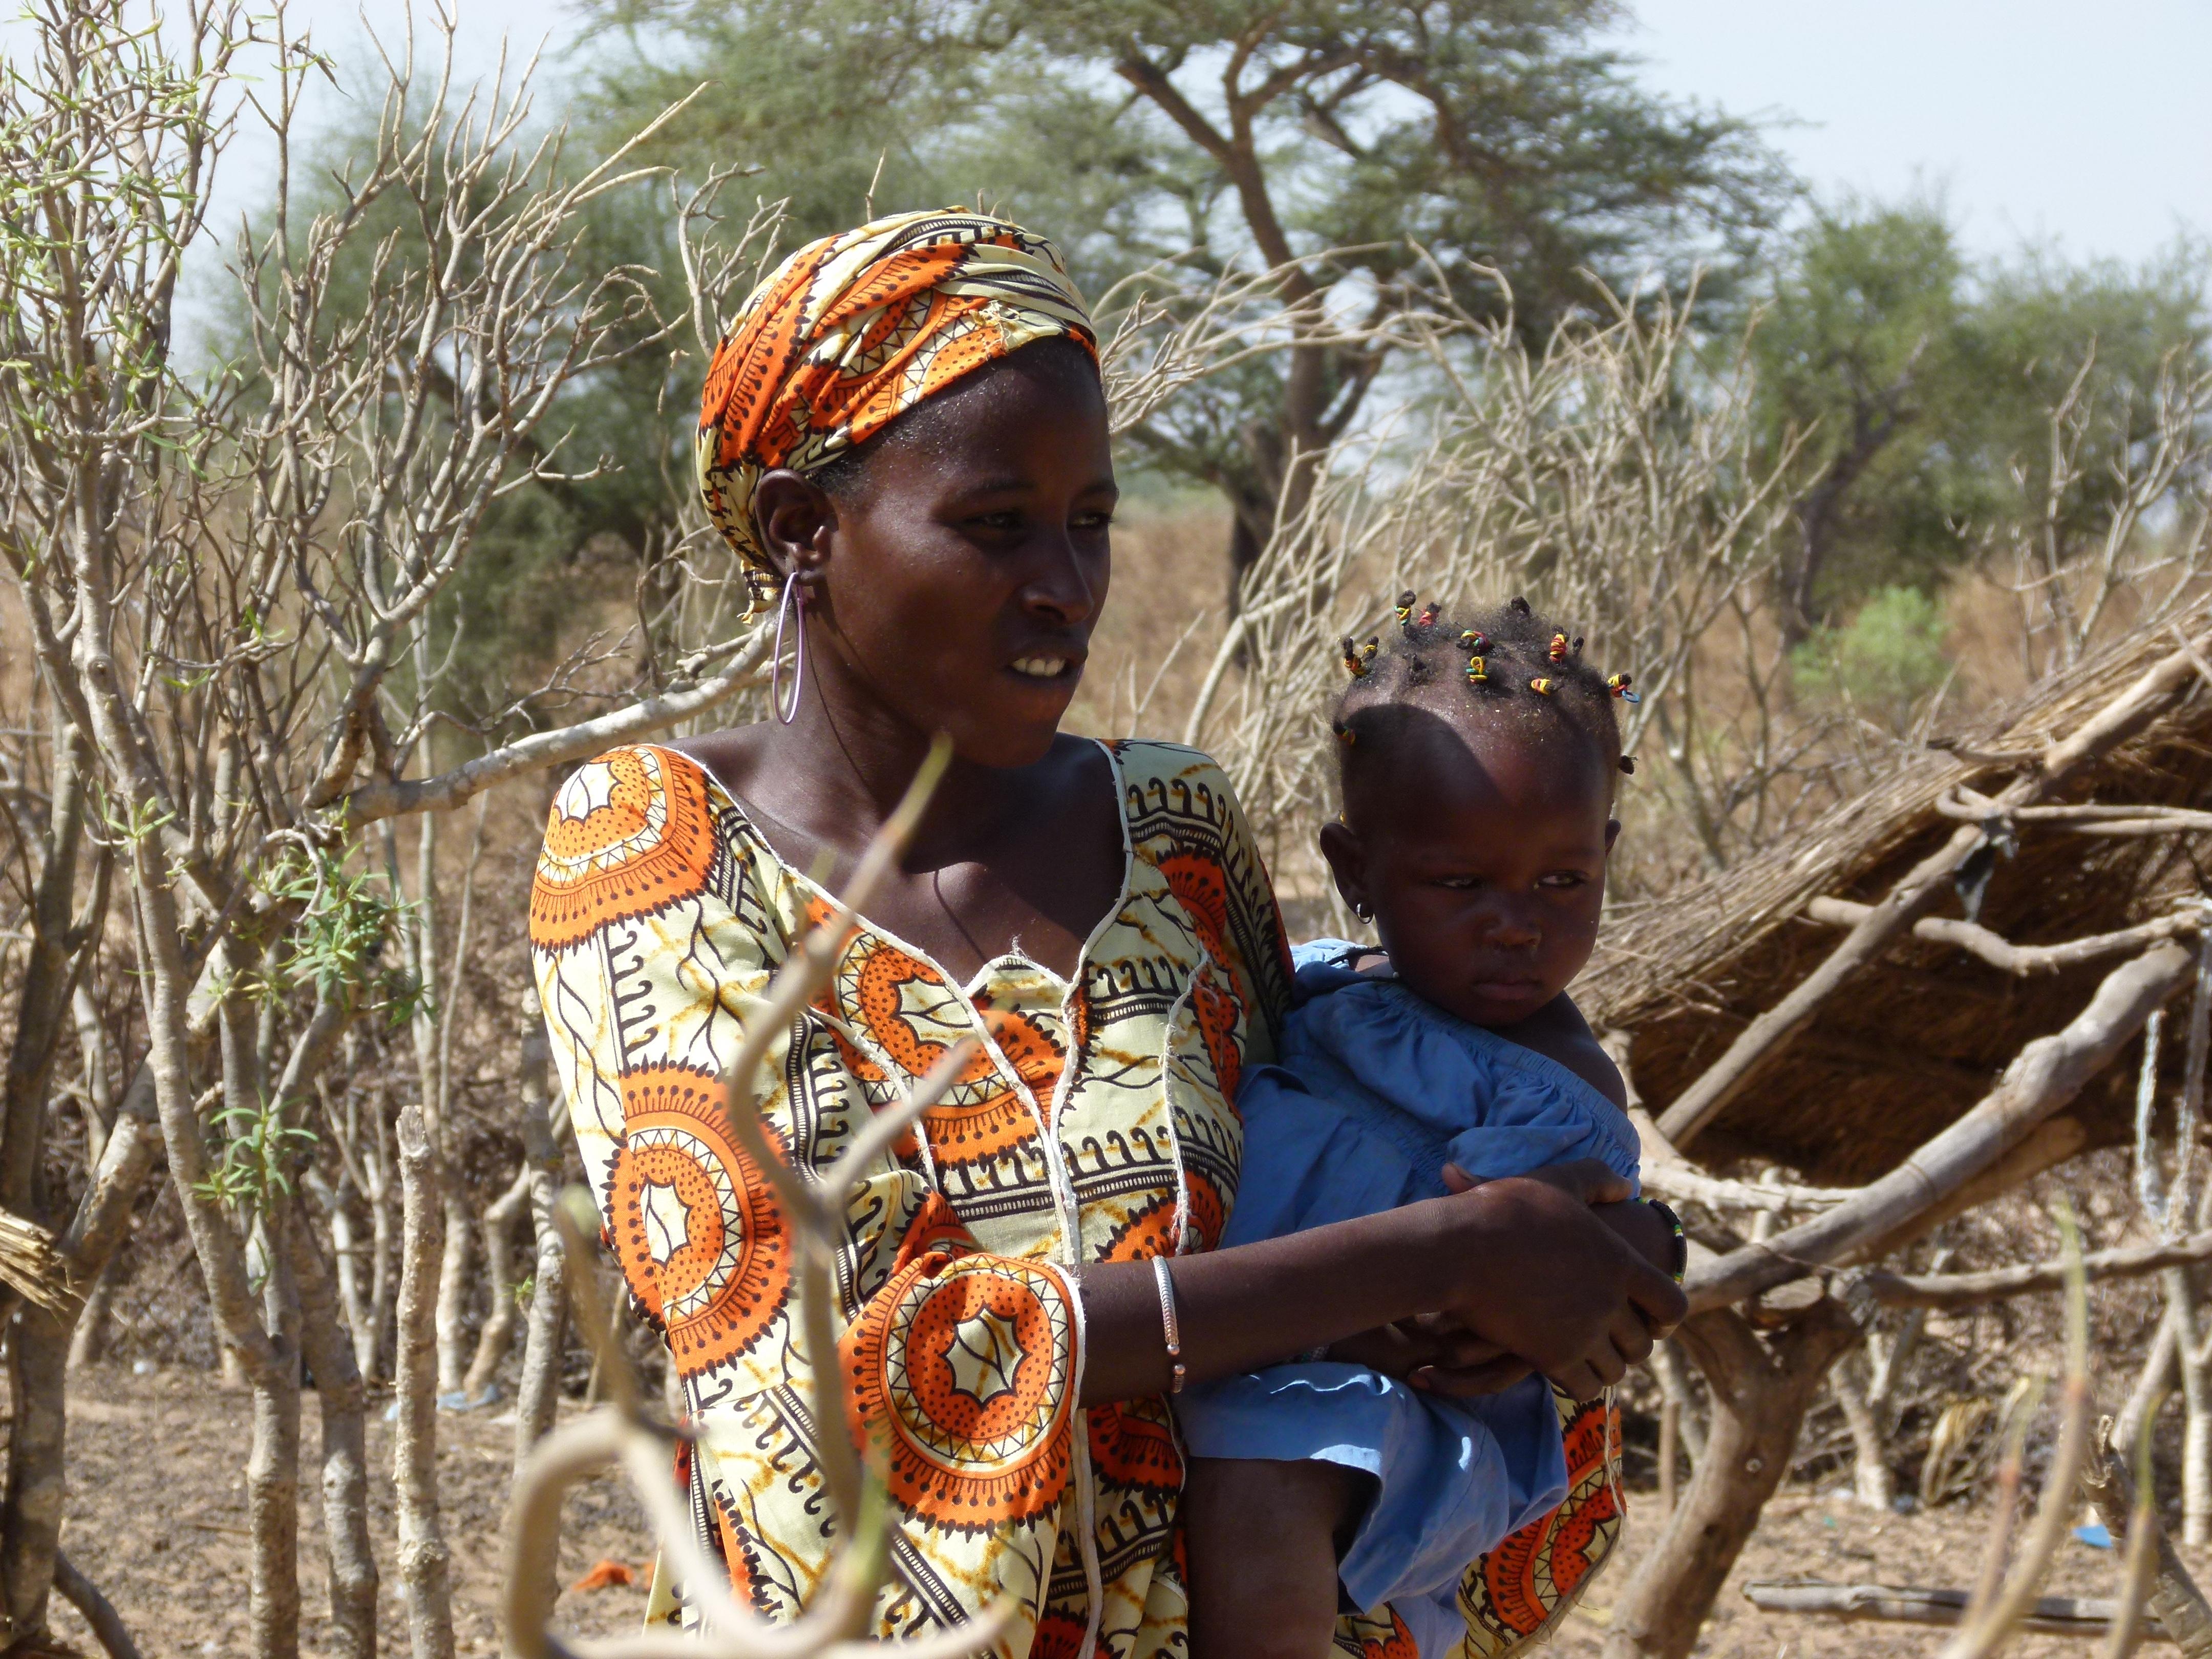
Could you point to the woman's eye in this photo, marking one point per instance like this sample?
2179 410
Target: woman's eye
1459 883
1007 520
1094 521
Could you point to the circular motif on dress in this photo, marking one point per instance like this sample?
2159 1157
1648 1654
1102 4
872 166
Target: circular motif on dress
630 834
694 1223
906 1010
976 1372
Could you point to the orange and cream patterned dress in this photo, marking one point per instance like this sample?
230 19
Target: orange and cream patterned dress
1094 1125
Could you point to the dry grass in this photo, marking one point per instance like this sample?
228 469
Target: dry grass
1164 619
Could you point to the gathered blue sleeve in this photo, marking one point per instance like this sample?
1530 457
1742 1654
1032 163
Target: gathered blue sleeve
1308 1163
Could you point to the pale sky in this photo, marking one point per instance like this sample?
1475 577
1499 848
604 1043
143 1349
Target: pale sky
2089 121
2086 122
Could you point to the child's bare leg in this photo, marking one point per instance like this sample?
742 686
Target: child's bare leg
1262 1540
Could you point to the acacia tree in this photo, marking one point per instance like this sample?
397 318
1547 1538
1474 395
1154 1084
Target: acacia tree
1492 133
1920 381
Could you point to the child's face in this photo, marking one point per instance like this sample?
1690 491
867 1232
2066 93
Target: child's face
1485 866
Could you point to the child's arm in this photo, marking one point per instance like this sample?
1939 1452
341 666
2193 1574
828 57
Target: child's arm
1558 1031
1432 1352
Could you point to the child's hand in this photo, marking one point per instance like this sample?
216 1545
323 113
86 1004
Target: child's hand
1433 1353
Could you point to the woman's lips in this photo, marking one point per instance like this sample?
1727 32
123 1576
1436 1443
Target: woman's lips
1048 668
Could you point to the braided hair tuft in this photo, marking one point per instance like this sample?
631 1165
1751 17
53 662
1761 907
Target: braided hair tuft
1508 660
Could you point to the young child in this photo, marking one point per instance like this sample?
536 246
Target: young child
1478 765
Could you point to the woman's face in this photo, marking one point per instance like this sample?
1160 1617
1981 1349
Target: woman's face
955 574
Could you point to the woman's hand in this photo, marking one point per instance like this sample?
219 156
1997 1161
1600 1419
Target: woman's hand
1551 1281
1636 1221
1643 1230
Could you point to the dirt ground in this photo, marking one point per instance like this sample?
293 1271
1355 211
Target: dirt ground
157 1521
1802 1535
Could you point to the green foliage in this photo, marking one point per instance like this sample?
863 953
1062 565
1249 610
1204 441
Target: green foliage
1492 132
337 946
258 1150
1925 381
129 823
1893 655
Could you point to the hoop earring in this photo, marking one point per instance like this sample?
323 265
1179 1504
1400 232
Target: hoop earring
785 712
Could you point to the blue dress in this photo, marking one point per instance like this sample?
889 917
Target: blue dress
1374 1091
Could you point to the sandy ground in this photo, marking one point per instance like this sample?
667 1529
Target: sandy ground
157 1520
1804 1537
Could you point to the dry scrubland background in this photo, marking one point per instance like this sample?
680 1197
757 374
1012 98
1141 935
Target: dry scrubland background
302 628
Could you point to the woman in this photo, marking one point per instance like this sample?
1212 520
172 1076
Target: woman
905 439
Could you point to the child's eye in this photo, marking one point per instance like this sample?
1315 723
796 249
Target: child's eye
1459 883
1094 521
1559 878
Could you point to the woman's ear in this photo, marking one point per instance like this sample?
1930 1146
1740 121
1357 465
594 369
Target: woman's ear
794 517
1347 862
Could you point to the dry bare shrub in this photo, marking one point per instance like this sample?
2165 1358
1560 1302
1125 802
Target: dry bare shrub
1601 477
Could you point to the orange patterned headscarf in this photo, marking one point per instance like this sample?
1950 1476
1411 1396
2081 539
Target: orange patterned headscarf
854 330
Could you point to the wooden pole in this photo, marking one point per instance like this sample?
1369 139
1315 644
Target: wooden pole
2052 1615
424 1565
2047 1074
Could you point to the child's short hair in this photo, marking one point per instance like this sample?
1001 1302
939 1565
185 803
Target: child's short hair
1508 660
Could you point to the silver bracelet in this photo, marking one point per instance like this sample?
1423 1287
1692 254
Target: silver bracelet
1169 1322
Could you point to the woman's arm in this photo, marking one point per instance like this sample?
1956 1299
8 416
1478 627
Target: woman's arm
1524 1263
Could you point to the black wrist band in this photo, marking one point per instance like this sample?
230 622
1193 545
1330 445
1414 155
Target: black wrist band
1682 1267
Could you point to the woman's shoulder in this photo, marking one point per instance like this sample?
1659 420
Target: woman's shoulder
1154 762
1181 795
634 827
618 785
1183 820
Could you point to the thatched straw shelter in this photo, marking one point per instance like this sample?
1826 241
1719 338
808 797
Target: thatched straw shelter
1920 1034
1930 995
